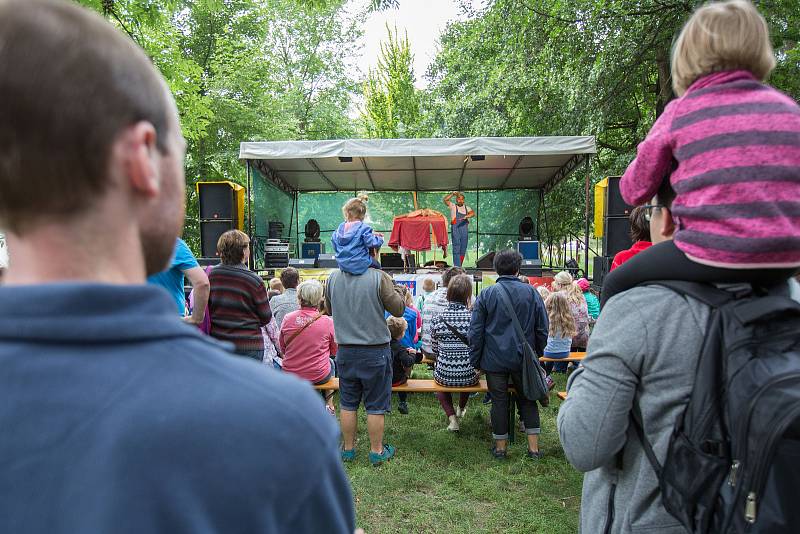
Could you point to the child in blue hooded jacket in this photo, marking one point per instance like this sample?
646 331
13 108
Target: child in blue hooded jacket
353 239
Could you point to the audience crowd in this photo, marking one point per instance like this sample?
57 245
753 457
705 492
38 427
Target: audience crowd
358 326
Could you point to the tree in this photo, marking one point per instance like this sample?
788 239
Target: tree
244 70
579 67
391 102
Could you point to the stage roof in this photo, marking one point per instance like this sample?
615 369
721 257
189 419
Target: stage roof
418 164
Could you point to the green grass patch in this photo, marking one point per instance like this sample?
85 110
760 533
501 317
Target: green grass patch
440 481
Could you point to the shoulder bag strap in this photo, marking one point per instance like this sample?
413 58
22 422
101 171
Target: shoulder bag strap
456 333
506 298
309 323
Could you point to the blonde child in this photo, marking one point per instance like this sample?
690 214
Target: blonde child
562 327
729 147
353 239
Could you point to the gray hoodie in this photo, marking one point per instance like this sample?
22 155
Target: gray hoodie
644 349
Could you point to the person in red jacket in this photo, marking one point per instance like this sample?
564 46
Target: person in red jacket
640 235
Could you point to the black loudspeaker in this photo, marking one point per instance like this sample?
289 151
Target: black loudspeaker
217 201
531 268
602 264
486 262
392 260
205 262
302 263
615 206
616 235
327 261
209 235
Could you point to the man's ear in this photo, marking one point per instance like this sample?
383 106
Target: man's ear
138 154
667 223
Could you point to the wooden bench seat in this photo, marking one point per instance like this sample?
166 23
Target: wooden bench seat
417 386
573 357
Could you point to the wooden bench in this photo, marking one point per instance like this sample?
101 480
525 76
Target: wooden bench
417 386
573 357
562 395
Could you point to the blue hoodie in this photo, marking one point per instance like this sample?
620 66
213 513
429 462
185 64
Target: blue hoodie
351 243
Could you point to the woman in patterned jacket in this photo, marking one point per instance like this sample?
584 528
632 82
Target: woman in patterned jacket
449 332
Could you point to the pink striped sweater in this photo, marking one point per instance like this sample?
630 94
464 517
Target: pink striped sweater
736 142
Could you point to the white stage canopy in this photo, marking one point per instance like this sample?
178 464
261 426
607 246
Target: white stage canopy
471 163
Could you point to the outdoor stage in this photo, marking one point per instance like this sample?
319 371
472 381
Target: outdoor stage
504 180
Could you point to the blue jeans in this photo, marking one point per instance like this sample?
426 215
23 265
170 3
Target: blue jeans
559 367
365 374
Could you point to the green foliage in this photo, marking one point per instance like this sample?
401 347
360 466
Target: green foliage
244 70
578 67
392 103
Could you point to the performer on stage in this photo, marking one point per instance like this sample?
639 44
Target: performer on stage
459 225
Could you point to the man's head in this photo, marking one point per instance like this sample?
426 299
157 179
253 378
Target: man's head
450 273
290 277
88 130
662 226
459 198
397 327
233 247
507 262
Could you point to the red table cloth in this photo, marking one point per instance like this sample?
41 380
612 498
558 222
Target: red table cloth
413 232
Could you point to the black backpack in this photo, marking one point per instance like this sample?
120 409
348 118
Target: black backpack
733 461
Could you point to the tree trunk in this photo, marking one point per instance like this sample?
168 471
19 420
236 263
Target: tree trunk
664 83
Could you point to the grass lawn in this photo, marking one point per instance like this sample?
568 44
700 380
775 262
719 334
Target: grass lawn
440 481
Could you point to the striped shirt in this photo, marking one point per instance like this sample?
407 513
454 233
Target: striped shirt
453 367
736 142
238 305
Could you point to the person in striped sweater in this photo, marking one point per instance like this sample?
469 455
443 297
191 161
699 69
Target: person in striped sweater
730 148
238 302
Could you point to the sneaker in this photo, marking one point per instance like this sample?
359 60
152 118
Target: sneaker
402 408
487 399
453 426
387 454
534 455
498 455
460 412
550 384
348 456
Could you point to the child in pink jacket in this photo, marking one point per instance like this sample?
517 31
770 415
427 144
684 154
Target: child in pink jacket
730 148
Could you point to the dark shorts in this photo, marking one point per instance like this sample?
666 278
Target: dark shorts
365 373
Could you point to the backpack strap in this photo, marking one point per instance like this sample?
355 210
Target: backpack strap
638 426
705 293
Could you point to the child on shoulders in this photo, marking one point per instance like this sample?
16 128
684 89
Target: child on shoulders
353 239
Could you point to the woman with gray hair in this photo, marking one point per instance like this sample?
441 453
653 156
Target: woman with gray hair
307 340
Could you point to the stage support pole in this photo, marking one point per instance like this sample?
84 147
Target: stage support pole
297 223
477 226
588 209
250 211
